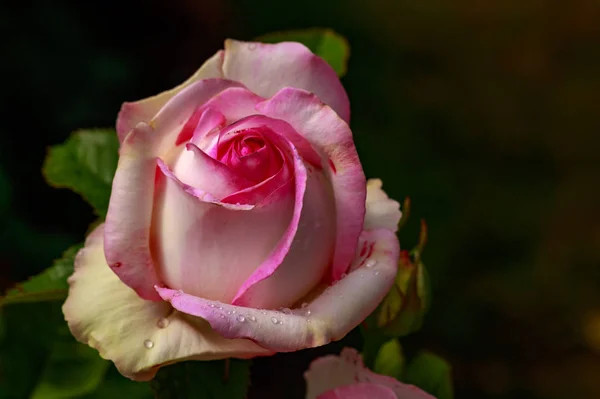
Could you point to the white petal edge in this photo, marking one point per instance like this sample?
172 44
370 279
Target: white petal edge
139 336
382 211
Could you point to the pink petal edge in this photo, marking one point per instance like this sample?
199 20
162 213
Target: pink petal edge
329 317
322 127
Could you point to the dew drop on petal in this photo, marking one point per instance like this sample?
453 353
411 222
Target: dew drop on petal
241 318
343 276
252 318
162 322
371 263
304 304
148 344
274 320
376 273
286 310
308 312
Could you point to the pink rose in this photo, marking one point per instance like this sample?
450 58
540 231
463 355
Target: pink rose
237 193
346 377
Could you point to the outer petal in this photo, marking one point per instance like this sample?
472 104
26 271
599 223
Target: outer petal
127 231
330 316
363 390
139 336
381 210
328 133
267 68
133 113
347 370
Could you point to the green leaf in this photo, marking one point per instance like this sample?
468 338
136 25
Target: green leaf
86 164
430 373
51 284
222 379
30 331
71 370
390 359
325 43
117 386
404 307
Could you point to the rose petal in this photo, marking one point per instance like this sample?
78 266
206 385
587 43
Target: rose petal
381 210
326 131
308 258
235 103
127 231
129 215
210 248
362 390
331 372
267 68
329 317
139 336
175 114
144 110
195 168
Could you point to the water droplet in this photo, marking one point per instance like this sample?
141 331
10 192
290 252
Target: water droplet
376 273
116 265
229 312
241 318
220 307
252 318
274 320
148 344
371 263
308 320
286 310
162 322
233 311
308 312
222 316
304 304
263 312
252 46
343 276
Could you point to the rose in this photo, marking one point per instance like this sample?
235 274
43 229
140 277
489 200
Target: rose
346 377
237 193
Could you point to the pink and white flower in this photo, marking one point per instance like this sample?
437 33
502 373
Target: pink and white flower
237 193
346 377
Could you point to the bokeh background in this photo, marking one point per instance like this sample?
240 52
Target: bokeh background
485 113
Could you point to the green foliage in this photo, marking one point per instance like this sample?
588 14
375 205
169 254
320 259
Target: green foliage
390 360
403 309
430 373
86 164
223 379
51 284
117 386
71 370
326 43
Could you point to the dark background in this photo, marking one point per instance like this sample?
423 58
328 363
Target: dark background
485 113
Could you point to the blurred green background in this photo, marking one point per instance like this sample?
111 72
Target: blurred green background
485 113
